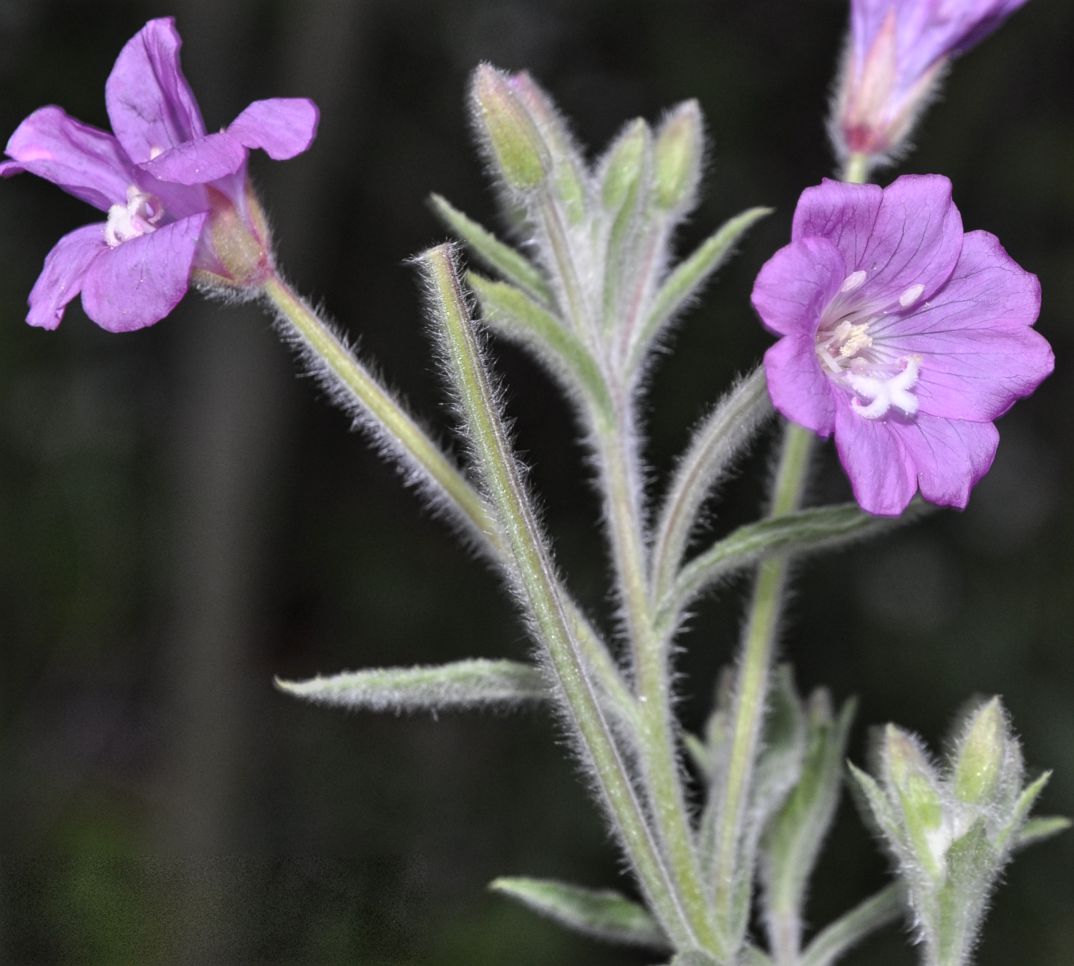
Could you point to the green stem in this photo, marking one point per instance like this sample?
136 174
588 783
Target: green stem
657 747
391 421
407 438
856 169
544 598
752 685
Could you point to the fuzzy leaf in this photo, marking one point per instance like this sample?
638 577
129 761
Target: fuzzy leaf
493 252
511 312
879 910
714 443
603 913
462 684
1038 829
819 528
687 278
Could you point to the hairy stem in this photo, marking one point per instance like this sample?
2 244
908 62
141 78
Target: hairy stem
657 748
752 684
543 597
376 409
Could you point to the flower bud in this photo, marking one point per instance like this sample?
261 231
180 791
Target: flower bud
624 164
677 157
568 171
985 760
513 141
915 790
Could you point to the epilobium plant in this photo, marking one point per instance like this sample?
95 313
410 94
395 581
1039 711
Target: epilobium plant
901 335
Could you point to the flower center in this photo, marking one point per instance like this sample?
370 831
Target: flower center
139 216
853 352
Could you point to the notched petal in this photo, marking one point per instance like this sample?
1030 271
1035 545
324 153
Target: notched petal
282 127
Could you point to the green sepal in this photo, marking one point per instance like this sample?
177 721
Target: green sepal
494 253
688 277
1020 811
1040 829
602 913
462 684
879 808
512 313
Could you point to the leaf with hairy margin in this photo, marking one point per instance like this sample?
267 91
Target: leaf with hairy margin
460 685
603 913
494 253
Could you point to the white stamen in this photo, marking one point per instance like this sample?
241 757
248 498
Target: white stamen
911 295
852 281
155 152
137 217
882 394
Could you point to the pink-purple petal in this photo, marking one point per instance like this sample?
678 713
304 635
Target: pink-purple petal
915 241
199 161
950 456
842 213
142 280
83 160
796 283
62 276
798 388
979 352
882 474
282 127
149 101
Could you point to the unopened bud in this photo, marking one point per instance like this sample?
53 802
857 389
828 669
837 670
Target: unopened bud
512 138
981 755
568 177
624 164
677 156
915 790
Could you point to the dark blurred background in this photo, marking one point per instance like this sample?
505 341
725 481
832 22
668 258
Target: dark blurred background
181 518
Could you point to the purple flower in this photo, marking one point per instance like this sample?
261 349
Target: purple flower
176 197
896 53
901 335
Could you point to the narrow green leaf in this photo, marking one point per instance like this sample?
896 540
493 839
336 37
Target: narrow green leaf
493 252
714 443
1021 810
879 807
819 528
462 684
879 910
687 278
602 913
1038 829
511 312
